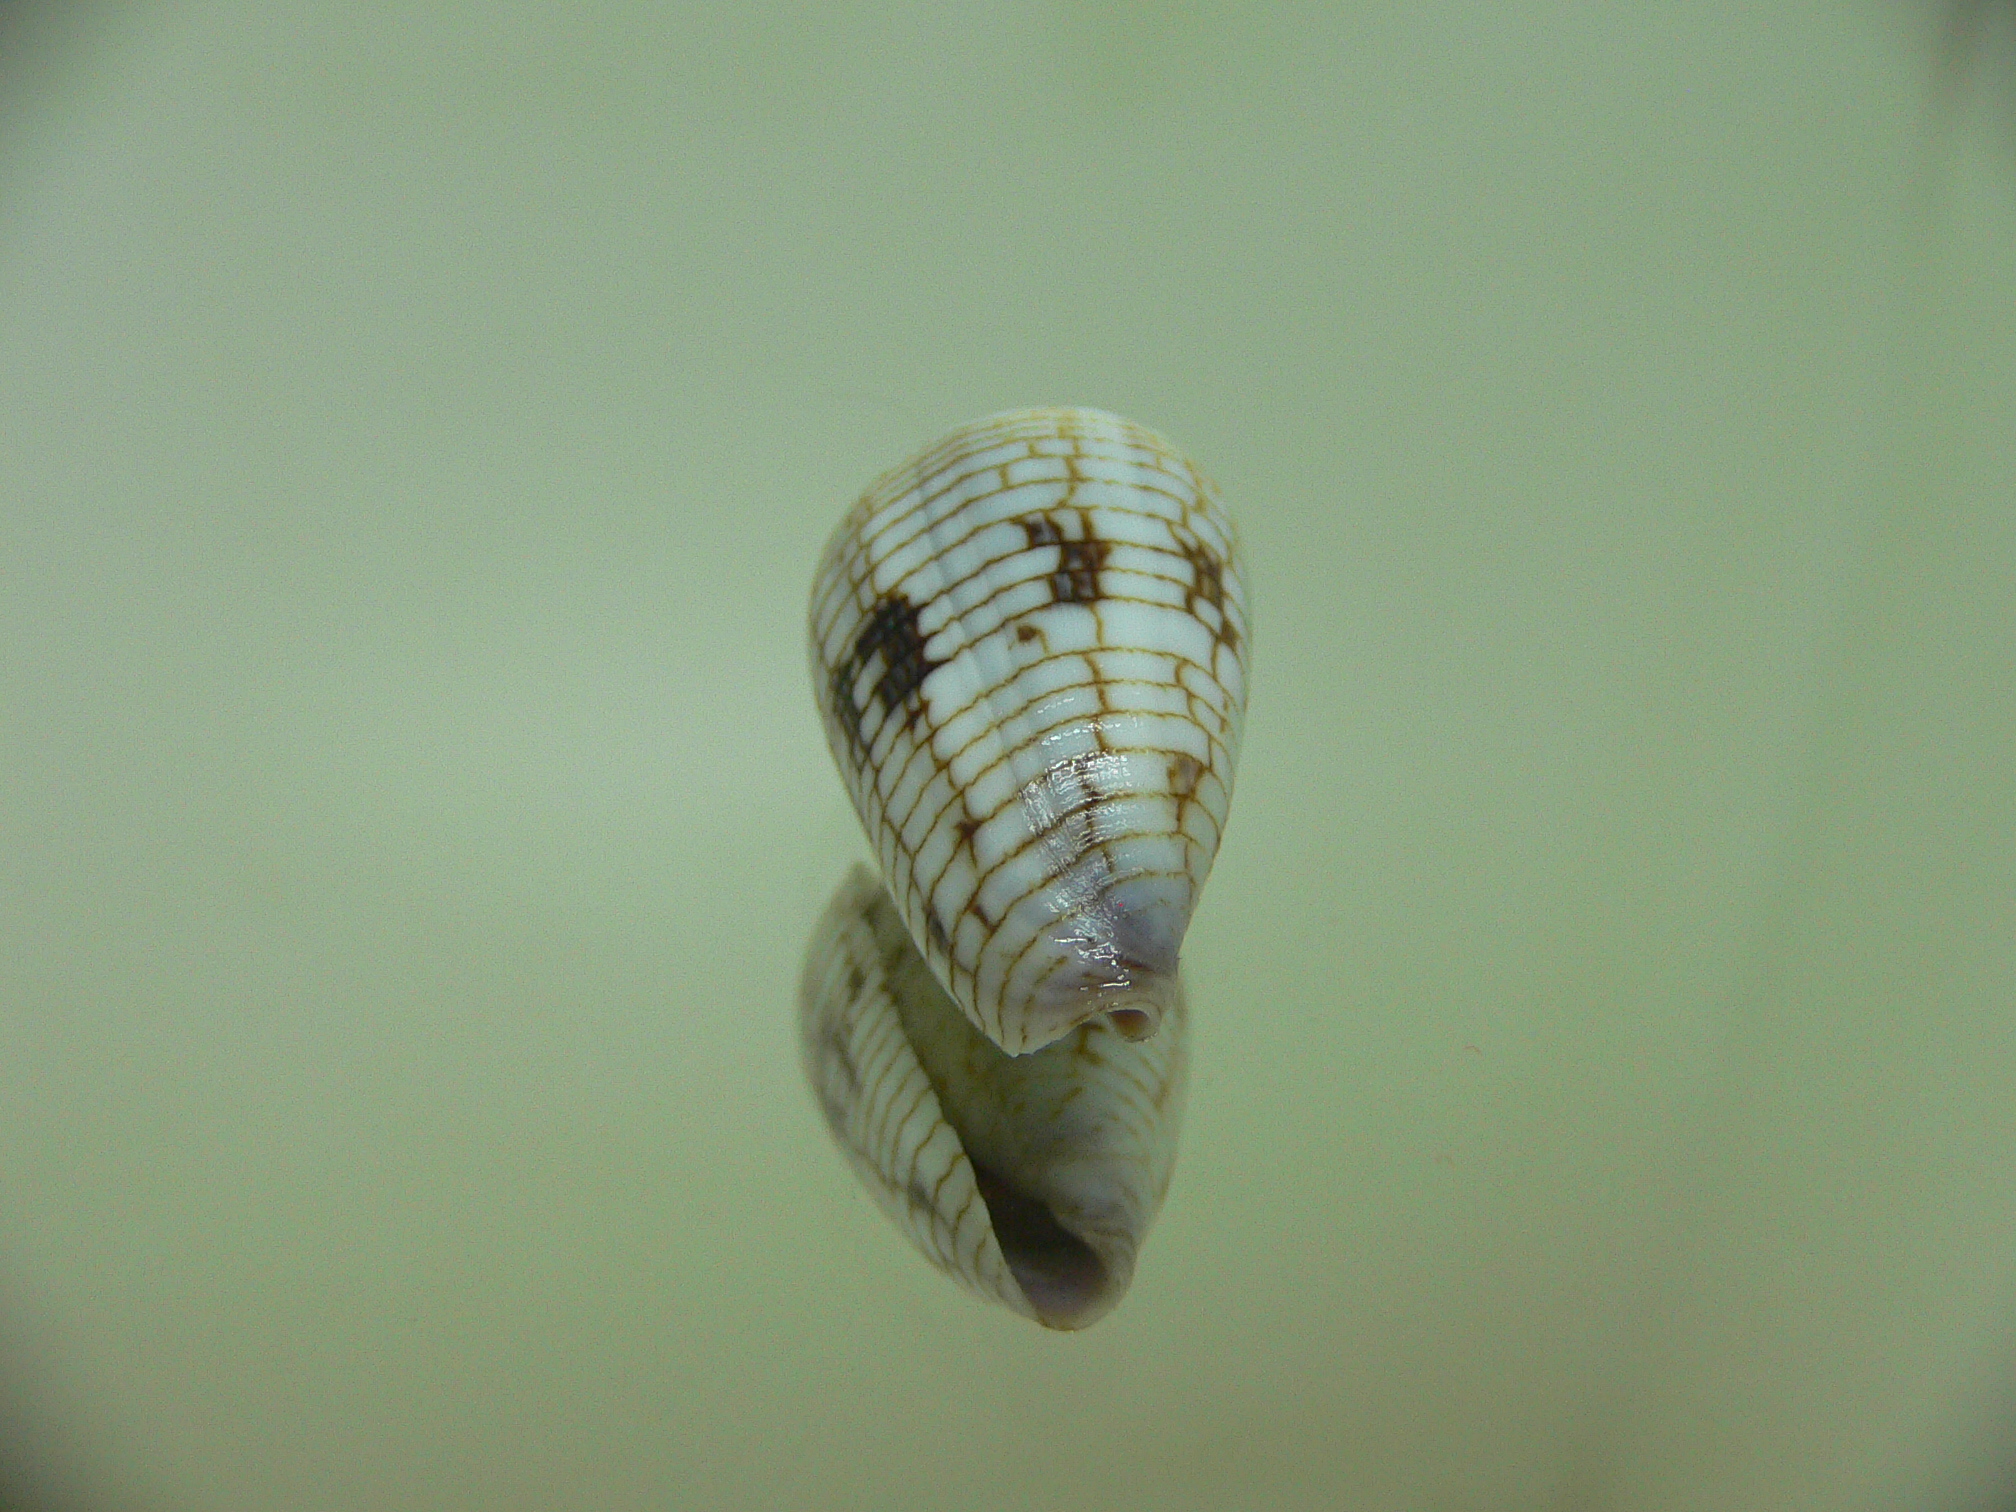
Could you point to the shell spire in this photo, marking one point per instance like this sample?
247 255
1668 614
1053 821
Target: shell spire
1029 646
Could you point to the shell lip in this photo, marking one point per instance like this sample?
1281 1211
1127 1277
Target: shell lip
1134 1022
1135 1002
1072 1275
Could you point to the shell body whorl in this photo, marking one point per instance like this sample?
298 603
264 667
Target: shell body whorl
1029 646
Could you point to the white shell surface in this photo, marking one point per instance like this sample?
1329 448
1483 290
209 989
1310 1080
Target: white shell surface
1029 648
1032 1180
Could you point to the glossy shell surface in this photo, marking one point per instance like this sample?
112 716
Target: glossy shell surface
1029 646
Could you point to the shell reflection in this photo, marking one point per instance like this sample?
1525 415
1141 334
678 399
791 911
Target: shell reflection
1030 1179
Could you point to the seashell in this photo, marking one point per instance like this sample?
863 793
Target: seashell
1030 1179
1029 650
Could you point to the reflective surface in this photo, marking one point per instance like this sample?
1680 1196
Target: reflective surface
1032 1180
417 426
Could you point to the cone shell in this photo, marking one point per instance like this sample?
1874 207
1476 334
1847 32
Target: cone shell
1029 649
1031 1180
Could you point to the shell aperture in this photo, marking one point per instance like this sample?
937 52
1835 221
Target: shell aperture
1029 648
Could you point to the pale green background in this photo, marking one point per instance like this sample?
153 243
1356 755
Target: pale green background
417 425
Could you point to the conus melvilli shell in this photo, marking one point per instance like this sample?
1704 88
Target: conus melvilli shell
1029 649
1030 1179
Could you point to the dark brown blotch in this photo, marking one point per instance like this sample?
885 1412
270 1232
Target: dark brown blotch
1080 557
893 634
840 698
1076 580
1042 531
891 640
1207 586
1207 574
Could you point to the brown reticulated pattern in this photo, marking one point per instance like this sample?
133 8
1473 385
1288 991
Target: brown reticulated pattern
1029 644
